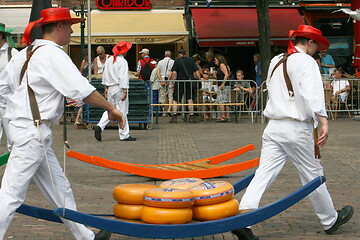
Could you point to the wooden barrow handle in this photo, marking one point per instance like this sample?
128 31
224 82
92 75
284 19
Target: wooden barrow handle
317 149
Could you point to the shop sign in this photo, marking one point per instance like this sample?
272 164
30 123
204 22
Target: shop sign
144 40
123 4
105 40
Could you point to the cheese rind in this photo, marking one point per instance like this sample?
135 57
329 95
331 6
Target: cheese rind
128 211
212 192
166 215
131 193
216 211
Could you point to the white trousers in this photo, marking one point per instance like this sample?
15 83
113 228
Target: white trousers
4 126
293 139
114 96
27 161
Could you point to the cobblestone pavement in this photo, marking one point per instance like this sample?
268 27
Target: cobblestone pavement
172 143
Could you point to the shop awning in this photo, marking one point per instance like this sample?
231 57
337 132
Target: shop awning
239 26
15 17
140 27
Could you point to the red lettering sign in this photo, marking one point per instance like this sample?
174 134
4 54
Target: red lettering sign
123 4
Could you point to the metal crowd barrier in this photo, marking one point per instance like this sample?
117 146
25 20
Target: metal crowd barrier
204 95
347 104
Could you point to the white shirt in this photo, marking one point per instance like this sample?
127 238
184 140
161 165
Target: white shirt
4 55
51 74
116 73
101 65
164 72
308 89
339 84
156 85
4 59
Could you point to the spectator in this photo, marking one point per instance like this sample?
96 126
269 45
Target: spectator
257 63
116 82
317 58
6 53
224 92
256 90
84 66
206 84
209 56
145 67
155 86
242 87
184 69
197 60
340 87
84 69
327 62
51 75
99 62
164 68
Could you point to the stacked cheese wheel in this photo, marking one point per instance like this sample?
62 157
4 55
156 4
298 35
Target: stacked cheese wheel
214 200
167 206
176 202
181 183
130 200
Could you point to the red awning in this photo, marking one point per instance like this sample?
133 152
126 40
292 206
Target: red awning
239 26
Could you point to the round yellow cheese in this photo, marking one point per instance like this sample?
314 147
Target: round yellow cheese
212 192
166 215
181 183
128 211
168 198
131 193
216 211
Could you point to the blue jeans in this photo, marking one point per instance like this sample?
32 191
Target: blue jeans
155 100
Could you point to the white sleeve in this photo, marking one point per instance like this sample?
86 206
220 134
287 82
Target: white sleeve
69 83
123 73
5 89
311 86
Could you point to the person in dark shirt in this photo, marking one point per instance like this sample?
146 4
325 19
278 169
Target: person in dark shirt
184 68
210 58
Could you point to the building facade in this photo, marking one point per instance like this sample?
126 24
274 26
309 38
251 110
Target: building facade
228 27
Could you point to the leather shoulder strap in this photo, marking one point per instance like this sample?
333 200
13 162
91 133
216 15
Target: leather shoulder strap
33 104
286 75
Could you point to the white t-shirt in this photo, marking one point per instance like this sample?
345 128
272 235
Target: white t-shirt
337 85
101 65
165 67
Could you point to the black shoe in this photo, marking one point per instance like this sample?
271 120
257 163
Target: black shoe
129 139
245 234
344 215
102 235
173 118
97 133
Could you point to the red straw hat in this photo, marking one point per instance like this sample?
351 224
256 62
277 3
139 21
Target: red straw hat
121 48
49 15
311 33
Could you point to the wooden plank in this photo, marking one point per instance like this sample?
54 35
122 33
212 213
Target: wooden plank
204 164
